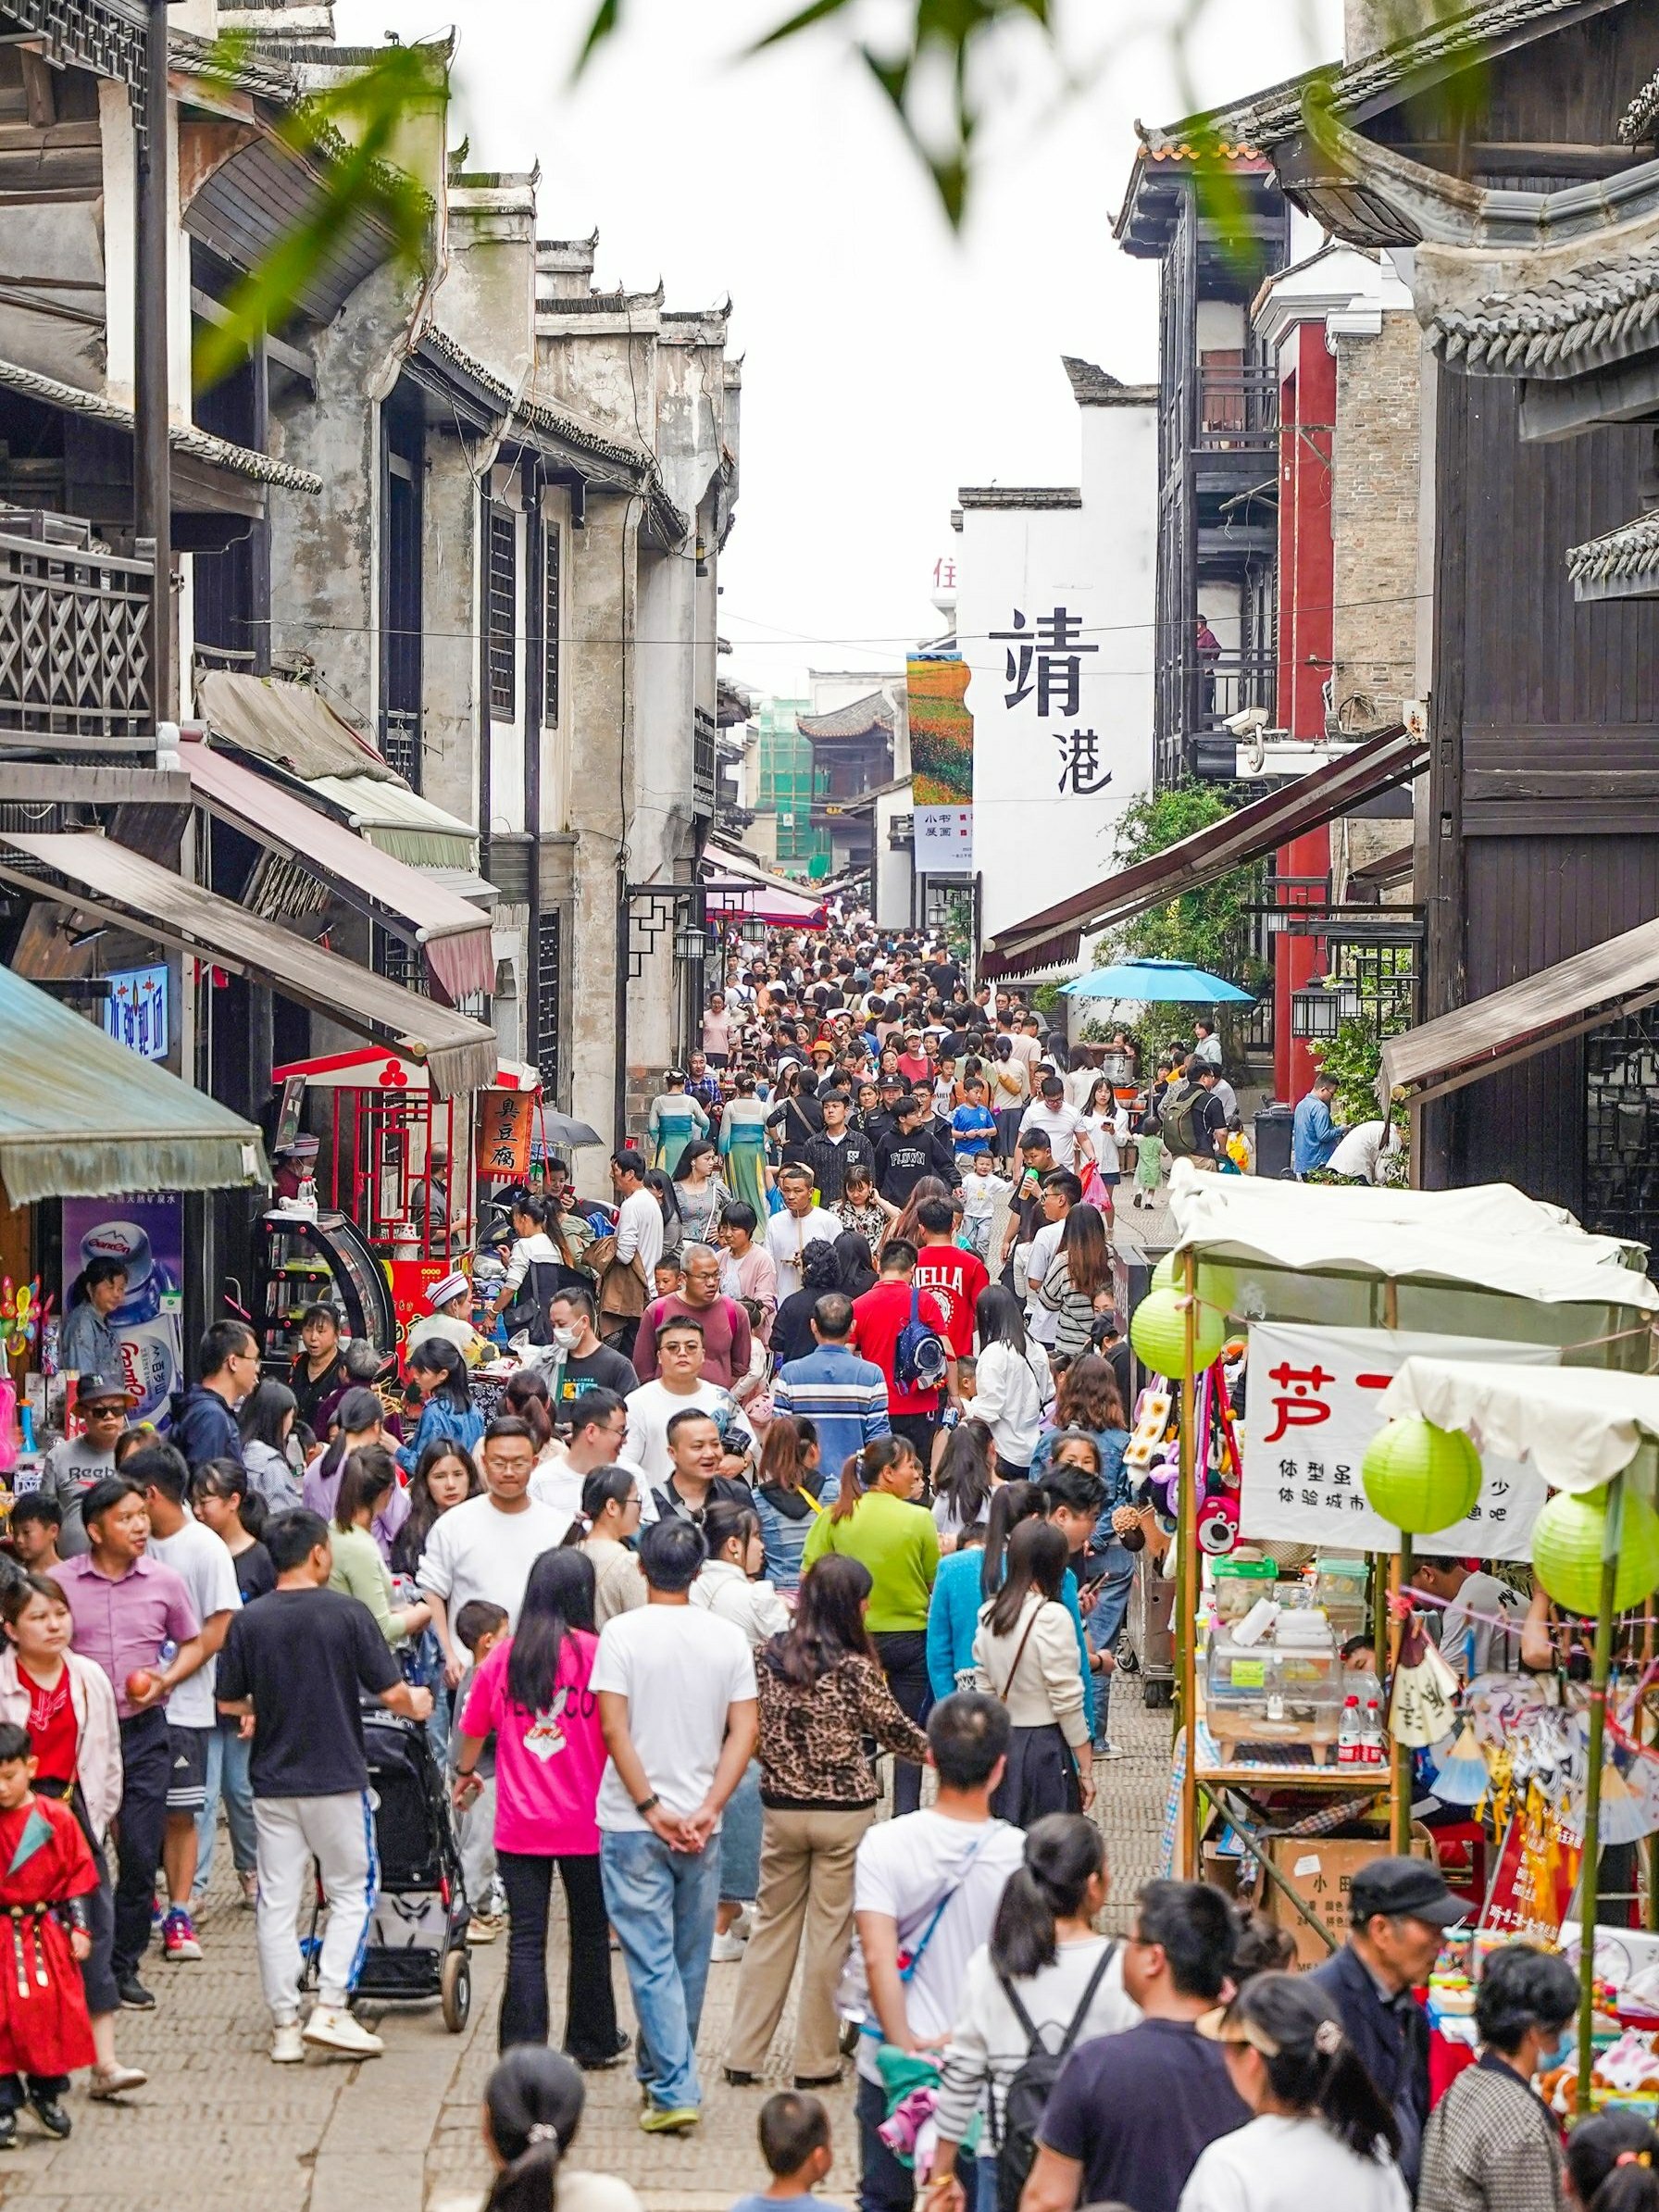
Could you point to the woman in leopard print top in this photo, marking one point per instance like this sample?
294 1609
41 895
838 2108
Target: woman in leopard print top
821 1693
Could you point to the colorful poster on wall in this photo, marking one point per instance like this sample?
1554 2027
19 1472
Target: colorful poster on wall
941 766
148 1236
1314 1406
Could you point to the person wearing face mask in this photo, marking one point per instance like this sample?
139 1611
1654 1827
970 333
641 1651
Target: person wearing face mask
580 1362
1491 2143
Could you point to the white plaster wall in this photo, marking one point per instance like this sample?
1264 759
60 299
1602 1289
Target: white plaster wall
1033 842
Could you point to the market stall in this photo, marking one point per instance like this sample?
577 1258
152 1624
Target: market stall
1340 1289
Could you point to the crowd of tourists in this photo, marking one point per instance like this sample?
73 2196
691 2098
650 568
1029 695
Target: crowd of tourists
843 1486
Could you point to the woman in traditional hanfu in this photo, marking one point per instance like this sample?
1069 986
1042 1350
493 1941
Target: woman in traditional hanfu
675 1119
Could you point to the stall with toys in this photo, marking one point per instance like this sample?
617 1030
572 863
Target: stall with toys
385 1201
1294 1527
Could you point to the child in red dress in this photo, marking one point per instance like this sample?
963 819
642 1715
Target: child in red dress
46 1873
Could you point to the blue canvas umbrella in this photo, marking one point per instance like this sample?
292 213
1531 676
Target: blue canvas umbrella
1154 982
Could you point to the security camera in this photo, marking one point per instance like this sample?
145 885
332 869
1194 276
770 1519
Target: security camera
1247 721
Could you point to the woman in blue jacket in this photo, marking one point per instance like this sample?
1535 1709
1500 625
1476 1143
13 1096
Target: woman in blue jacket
447 1413
969 1576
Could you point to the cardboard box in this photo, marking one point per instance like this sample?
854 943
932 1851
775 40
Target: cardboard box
1321 1870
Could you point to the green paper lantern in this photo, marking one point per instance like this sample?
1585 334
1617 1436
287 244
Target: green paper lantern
1158 1333
1217 1285
1419 1477
1567 1551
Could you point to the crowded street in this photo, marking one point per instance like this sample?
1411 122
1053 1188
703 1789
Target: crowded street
828 1107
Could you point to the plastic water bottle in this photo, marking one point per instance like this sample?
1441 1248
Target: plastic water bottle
1349 1751
1373 1751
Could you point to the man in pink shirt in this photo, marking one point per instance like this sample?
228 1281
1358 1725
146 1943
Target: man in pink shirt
726 1332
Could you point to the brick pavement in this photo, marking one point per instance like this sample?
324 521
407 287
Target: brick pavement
221 2130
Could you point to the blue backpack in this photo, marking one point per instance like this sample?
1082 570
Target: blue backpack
919 1359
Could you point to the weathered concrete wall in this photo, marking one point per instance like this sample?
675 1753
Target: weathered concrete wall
450 651
1374 522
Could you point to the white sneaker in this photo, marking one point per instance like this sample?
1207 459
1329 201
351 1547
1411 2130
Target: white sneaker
287 2045
726 1949
743 1926
333 2027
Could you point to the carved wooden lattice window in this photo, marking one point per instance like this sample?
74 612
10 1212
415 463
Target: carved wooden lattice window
504 613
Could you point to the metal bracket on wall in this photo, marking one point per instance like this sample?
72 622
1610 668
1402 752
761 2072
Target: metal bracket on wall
654 909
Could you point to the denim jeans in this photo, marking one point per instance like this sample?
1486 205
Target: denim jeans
228 1756
740 1839
662 1905
1104 1626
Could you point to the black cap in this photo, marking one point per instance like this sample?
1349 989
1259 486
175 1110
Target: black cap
1405 1888
91 1389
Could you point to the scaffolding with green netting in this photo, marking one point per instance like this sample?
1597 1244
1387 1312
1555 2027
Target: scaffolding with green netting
788 785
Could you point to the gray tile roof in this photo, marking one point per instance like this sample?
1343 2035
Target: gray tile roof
1267 118
1599 568
1602 311
183 437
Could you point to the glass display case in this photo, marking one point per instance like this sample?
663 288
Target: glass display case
1285 1689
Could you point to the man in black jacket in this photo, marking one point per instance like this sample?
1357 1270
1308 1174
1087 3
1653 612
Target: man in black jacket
1401 1909
837 1147
914 1149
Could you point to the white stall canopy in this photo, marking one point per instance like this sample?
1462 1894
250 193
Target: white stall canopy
1577 1428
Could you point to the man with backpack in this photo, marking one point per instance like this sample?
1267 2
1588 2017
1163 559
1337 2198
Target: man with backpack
905 1331
1178 1122
925 1892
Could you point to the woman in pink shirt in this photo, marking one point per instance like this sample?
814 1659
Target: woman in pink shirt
531 1694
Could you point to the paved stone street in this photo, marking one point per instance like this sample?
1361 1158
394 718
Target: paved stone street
221 2130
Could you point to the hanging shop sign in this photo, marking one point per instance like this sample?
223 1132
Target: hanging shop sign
506 1124
1315 1404
135 1013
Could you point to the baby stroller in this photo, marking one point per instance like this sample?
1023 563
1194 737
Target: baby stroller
417 1945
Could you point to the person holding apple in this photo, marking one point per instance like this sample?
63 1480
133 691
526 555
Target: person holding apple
134 1618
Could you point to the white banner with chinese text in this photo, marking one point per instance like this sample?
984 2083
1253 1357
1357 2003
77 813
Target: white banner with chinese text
1313 1407
944 840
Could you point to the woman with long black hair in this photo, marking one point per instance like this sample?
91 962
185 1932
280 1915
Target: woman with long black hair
532 2108
965 1480
1322 2134
1079 1270
1012 1381
447 1413
531 1694
822 1695
1026 1653
1612 2164
1044 1958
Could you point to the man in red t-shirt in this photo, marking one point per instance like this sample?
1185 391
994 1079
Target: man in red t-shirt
877 1318
955 1277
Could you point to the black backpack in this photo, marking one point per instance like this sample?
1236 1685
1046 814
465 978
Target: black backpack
1029 2092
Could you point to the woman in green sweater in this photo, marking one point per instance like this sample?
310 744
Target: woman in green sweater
365 1490
877 1519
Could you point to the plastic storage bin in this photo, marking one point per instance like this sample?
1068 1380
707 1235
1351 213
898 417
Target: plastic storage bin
1276 1693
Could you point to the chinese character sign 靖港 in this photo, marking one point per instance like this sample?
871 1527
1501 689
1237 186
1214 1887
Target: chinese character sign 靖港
1315 1404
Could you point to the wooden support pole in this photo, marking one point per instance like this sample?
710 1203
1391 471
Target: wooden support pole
1589 1869
1187 1576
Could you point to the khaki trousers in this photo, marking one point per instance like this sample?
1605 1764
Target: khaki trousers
805 1881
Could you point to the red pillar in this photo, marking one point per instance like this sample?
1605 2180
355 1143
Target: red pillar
1307 583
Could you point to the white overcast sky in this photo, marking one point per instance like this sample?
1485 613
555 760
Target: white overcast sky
886 362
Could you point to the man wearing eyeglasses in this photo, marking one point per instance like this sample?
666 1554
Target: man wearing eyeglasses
204 1424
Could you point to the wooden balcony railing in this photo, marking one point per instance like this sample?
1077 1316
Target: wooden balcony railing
74 661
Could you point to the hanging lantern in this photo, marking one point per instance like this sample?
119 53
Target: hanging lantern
1158 1333
1419 1477
1217 1285
1567 1551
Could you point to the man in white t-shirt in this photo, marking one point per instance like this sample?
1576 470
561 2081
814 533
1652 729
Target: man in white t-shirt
203 1562
801 1223
927 1884
1062 1124
638 1216
1061 1191
680 1716
680 1388
486 1546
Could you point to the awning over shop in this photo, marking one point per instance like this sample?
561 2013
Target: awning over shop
396 820
80 1117
1579 1426
133 892
1613 979
739 898
454 935
1490 1238
1055 934
287 724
